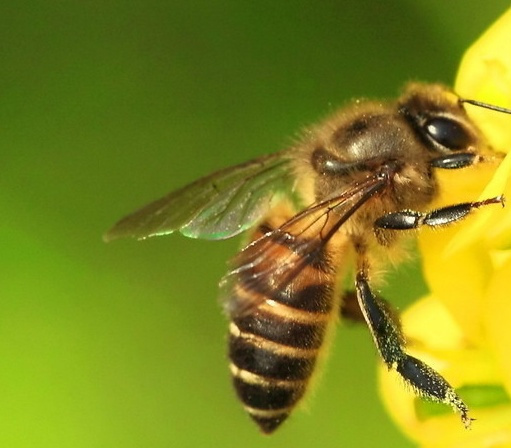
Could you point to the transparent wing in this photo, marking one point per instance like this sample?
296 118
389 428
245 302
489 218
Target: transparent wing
218 206
273 261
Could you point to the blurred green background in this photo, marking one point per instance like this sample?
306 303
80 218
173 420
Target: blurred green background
106 105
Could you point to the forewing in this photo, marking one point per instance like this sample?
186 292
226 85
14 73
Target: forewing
273 261
218 206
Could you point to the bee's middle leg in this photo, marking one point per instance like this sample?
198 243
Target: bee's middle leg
390 342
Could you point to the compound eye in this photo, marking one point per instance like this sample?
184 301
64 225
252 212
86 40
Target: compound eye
448 133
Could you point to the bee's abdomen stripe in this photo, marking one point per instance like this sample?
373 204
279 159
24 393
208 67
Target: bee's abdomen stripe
266 397
315 298
282 331
278 309
268 413
252 378
266 363
275 347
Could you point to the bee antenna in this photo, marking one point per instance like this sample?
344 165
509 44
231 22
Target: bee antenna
486 105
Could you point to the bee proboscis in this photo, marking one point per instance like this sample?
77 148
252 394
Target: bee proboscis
340 198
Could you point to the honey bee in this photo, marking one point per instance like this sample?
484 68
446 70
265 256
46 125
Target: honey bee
332 205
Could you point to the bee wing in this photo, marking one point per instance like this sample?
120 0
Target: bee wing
215 207
270 263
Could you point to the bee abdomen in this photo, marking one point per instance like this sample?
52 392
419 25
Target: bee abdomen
273 353
268 401
278 326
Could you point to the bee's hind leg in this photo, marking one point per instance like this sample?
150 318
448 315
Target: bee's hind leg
350 308
390 343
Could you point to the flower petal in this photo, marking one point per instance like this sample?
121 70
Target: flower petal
497 320
467 368
485 75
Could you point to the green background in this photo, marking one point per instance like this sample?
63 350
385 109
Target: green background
105 105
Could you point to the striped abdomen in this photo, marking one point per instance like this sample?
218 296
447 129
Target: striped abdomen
273 347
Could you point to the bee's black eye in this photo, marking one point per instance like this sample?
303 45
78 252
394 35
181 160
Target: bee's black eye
448 133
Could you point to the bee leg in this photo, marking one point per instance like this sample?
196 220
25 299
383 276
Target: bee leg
390 343
456 161
411 219
464 159
350 309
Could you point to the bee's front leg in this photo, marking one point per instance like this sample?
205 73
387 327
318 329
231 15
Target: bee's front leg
390 343
411 219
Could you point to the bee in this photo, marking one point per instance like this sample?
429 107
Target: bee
333 205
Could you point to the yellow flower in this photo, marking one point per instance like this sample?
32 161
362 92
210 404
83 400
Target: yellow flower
463 328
